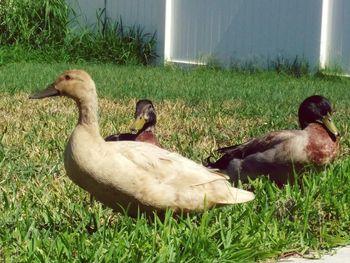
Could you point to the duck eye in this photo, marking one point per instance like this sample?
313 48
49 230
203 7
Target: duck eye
145 116
67 77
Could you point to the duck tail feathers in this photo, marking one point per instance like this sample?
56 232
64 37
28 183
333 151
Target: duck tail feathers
220 164
228 149
238 196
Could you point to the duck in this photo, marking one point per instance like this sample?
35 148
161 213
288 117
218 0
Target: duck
133 177
143 128
283 154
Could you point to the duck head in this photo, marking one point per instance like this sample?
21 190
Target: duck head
76 84
145 116
317 109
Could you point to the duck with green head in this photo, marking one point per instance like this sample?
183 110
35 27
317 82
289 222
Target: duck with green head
282 153
143 128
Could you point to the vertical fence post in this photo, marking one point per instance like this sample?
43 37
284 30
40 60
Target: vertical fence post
168 29
324 33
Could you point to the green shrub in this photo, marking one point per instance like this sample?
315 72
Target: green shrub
112 42
33 23
41 31
297 68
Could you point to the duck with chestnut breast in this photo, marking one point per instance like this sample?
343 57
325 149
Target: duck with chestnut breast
133 176
280 154
143 128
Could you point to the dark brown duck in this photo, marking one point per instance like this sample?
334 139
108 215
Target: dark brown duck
143 128
279 154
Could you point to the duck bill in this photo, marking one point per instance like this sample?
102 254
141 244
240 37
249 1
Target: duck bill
50 91
327 121
138 124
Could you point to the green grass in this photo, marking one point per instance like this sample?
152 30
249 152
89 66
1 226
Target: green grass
44 215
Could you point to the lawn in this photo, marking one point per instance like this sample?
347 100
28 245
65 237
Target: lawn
44 216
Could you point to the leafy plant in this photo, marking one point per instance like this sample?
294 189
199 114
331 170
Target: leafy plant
297 67
42 31
33 23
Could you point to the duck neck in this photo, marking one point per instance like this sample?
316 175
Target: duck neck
147 129
88 113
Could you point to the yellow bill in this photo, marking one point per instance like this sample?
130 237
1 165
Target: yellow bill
138 124
328 122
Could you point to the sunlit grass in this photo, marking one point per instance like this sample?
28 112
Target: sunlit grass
44 215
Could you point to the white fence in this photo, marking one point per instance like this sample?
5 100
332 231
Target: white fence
238 31
337 44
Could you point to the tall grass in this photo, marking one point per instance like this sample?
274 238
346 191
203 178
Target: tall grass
112 42
35 24
42 31
297 67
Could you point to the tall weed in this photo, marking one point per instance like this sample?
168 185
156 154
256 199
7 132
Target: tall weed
41 31
33 23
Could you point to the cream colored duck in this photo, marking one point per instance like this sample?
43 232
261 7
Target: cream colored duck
131 176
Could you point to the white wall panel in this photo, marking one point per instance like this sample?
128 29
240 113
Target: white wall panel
246 29
338 38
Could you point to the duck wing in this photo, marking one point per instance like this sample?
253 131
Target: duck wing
253 146
166 179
